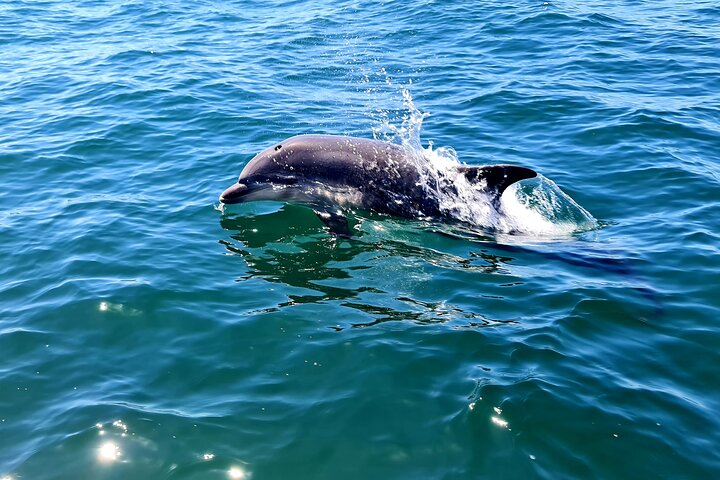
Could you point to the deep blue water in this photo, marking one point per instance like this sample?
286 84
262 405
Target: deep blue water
147 333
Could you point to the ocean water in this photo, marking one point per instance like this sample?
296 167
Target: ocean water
146 332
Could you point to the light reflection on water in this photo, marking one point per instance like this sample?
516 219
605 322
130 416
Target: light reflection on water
138 451
237 473
108 452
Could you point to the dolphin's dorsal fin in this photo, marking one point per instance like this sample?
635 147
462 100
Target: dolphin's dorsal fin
497 177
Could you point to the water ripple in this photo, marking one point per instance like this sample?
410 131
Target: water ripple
147 335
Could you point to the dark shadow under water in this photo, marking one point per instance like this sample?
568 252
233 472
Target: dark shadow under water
291 247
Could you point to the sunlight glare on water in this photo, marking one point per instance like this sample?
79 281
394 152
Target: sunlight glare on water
237 473
108 452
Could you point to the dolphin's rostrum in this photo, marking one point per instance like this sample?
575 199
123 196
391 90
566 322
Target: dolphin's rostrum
326 172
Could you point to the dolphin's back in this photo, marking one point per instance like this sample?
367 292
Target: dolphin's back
370 174
337 157
382 172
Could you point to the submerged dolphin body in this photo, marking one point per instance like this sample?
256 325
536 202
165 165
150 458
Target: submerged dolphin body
326 172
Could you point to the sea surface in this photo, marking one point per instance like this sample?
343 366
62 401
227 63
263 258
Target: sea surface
146 332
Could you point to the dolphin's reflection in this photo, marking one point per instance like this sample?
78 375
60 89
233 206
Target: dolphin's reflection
291 247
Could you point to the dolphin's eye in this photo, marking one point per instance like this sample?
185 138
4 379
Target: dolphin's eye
278 148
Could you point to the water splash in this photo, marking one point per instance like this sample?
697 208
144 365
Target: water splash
411 119
535 207
538 206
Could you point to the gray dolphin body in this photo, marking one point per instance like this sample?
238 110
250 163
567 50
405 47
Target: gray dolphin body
323 171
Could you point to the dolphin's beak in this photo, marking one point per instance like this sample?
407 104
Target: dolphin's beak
234 194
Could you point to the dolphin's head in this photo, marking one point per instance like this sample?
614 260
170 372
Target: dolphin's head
235 194
272 174
252 188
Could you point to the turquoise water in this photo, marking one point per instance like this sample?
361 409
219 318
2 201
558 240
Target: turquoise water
145 333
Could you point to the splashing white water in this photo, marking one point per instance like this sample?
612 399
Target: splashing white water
538 206
535 207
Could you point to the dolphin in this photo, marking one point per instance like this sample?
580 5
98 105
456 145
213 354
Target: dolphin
329 173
